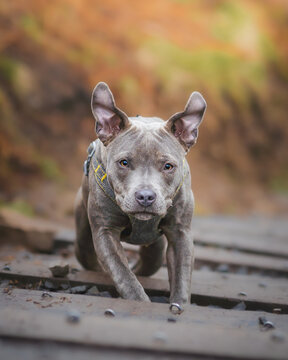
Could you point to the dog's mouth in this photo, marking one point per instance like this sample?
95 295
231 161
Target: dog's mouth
144 216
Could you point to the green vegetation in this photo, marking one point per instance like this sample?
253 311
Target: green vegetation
49 168
8 68
31 26
279 184
206 66
20 206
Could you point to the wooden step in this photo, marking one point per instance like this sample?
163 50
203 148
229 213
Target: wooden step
239 259
214 255
264 227
253 244
257 292
36 300
130 333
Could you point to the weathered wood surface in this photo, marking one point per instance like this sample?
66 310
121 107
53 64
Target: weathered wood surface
29 349
180 338
253 244
254 234
236 258
215 255
264 227
29 321
23 299
230 287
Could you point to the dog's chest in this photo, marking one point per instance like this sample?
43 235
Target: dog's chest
141 232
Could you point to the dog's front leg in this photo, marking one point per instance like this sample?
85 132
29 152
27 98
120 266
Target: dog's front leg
112 258
180 258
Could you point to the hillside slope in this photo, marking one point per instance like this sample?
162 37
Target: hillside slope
153 55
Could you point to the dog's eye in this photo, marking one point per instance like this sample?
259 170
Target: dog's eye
168 166
123 163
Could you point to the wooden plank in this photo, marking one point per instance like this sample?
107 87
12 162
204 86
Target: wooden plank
222 256
265 227
236 258
23 299
251 244
29 349
266 293
179 338
226 287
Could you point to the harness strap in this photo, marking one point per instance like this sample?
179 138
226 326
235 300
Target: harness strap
101 179
99 172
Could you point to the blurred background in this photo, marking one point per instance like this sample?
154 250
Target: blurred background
152 54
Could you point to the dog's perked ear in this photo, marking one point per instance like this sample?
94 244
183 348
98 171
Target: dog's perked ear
110 120
184 125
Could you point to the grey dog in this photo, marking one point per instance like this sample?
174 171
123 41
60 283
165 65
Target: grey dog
137 189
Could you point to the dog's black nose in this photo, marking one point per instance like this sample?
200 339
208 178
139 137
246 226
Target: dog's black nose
145 197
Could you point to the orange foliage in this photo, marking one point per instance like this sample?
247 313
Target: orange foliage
152 54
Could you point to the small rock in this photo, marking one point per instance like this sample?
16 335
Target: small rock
66 291
65 286
242 293
74 270
73 316
7 267
59 271
240 306
46 294
50 285
79 289
93 291
109 313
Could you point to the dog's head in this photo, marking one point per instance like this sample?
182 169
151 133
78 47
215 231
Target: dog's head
145 156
